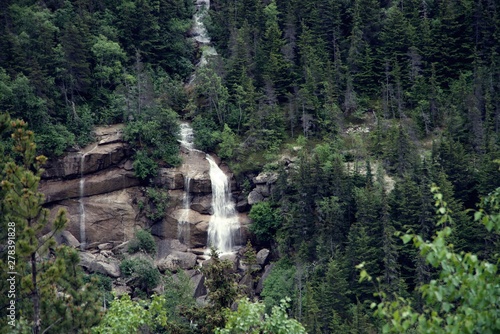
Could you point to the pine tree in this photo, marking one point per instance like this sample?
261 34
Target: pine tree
50 280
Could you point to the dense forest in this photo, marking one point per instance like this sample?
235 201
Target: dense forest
361 107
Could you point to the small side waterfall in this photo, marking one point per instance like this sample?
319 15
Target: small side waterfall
224 222
183 228
83 237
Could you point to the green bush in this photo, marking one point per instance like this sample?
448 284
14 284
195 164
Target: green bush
144 167
153 135
157 204
265 221
279 284
207 134
143 271
228 143
144 242
54 140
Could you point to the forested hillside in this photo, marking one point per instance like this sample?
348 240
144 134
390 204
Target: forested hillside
358 107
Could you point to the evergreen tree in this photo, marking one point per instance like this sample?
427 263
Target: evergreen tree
52 296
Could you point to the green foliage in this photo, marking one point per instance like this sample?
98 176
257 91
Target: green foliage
464 297
142 271
250 318
51 294
228 143
206 133
145 168
55 139
221 283
154 138
178 297
157 203
279 284
127 316
265 221
143 241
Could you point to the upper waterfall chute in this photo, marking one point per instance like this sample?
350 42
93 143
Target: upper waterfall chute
200 35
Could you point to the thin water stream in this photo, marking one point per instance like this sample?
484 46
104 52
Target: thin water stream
83 237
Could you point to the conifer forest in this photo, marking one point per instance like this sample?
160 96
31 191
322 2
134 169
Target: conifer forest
359 151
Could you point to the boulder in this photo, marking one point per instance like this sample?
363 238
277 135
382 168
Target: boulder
247 285
105 246
199 234
108 181
102 265
262 256
110 217
121 290
242 205
198 284
255 197
202 204
265 178
112 138
86 259
177 260
263 189
260 284
69 239
109 268
198 251
200 183
170 178
167 246
193 230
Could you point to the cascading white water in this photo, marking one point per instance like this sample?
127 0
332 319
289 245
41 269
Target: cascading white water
224 223
82 205
199 29
183 228
83 237
187 142
201 35
186 133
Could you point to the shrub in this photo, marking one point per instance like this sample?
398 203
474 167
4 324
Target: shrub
54 140
144 242
144 167
265 221
157 204
207 134
143 272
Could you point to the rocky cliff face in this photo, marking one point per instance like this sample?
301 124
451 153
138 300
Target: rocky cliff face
97 187
105 206
99 179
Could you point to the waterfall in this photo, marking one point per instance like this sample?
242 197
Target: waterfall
201 35
186 134
183 228
224 222
83 236
82 205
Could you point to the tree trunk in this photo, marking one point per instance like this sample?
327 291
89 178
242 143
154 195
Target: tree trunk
36 296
